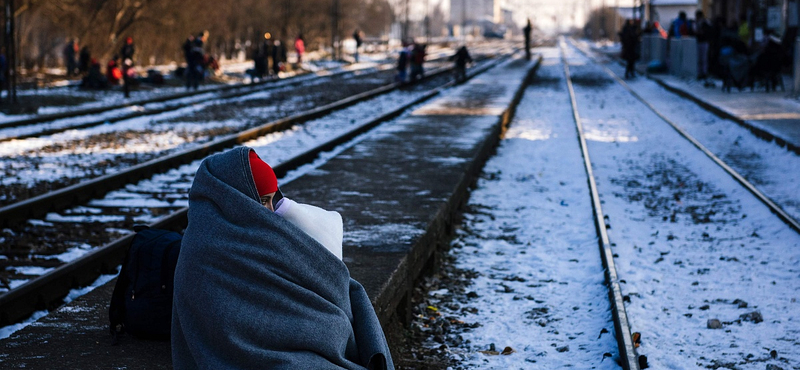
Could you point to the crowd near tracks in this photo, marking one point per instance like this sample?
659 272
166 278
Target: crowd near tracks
33 243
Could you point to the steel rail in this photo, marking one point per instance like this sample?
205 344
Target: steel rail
244 89
775 208
62 198
160 99
47 291
627 351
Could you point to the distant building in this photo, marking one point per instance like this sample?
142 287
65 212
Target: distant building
665 11
474 11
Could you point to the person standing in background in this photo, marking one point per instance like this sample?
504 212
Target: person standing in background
359 41
702 33
300 48
69 56
127 52
527 31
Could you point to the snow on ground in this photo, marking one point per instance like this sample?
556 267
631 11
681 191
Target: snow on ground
154 134
528 236
696 251
274 148
772 169
87 98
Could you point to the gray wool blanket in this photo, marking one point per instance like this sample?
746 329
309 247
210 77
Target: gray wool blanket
252 291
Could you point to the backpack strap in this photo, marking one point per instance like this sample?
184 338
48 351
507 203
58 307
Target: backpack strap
116 310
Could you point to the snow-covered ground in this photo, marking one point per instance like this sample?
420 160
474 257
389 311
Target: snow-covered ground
711 273
711 278
160 132
72 98
528 238
771 168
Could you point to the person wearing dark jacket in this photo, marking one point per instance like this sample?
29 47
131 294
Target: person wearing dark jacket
261 55
527 33
629 37
461 58
126 53
278 57
69 56
703 33
187 48
417 60
127 50
402 64
275 292
359 40
94 78
195 68
84 60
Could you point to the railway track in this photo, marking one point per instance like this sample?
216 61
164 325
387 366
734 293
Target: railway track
232 90
766 200
80 155
98 230
684 211
84 154
692 250
627 352
48 124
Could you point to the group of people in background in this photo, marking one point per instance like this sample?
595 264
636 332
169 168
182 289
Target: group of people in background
412 55
118 69
726 49
197 61
270 56
81 64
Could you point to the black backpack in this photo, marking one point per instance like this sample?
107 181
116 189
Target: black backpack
142 301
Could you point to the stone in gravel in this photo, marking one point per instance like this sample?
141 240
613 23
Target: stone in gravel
507 351
563 349
773 354
714 324
704 307
472 295
740 303
773 367
754 316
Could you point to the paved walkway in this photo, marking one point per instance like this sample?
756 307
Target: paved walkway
773 115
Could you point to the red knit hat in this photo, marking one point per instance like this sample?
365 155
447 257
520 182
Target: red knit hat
265 179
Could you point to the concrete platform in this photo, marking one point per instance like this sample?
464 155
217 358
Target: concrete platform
771 115
398 191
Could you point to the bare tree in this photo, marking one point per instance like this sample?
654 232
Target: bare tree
160 26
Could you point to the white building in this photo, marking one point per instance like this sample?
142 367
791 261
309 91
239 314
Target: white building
474 11
665 11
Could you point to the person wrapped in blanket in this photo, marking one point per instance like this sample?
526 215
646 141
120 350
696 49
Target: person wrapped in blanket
260 281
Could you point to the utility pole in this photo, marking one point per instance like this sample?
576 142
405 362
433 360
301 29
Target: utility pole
11 52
